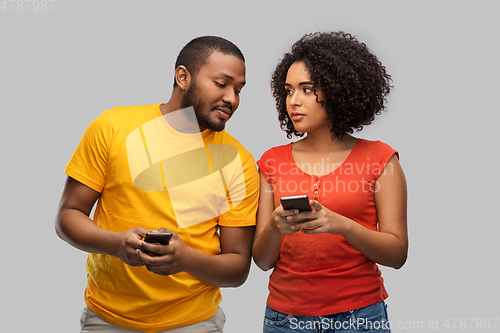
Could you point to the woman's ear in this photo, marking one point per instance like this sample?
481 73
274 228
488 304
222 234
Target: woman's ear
182 77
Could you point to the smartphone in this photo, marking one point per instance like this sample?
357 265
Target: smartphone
162 238
300 202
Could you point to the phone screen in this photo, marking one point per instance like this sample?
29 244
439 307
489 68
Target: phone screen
162 238
300 202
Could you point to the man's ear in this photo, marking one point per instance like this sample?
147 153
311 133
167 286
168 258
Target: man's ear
182 77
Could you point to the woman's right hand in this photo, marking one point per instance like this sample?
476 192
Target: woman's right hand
283 221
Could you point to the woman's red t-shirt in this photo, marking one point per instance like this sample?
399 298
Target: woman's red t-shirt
323 274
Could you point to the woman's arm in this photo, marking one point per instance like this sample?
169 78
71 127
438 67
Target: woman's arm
267 238
389 245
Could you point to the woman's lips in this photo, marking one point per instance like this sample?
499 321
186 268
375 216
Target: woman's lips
296 116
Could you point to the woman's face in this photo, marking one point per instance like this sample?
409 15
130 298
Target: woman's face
302 102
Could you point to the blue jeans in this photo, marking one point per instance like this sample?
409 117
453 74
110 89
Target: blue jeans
372 318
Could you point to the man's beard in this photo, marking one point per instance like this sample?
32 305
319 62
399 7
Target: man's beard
204 121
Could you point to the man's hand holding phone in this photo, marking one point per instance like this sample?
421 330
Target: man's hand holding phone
162 252
153 239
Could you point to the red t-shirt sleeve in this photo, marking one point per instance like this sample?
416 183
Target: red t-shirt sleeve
267 163
383 153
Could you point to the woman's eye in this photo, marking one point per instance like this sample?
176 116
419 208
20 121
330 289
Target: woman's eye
307 90
289 91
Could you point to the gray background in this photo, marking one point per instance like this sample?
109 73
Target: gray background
60 69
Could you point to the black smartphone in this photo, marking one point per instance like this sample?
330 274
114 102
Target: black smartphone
162 238
300 202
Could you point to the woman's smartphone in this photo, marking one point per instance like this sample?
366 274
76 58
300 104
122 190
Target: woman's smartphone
300 202
162 238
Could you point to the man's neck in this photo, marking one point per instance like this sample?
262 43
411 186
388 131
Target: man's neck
181 119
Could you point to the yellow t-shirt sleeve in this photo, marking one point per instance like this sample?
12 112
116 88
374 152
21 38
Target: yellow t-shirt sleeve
244 213
89 160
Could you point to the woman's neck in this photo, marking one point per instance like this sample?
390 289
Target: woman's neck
323 142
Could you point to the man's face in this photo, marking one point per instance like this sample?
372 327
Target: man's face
214 91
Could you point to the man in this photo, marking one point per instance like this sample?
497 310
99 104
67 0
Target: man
172 168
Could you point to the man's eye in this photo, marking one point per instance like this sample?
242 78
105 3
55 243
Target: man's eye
220 85
237 92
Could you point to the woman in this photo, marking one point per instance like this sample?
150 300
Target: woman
325 275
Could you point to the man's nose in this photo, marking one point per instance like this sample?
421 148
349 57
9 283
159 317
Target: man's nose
231 97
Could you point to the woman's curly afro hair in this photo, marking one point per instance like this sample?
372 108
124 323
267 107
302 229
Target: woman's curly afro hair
352 80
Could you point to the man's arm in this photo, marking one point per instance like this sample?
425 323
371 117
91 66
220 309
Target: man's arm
74 226
228 269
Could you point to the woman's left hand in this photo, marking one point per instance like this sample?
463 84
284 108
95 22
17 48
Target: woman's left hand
320 220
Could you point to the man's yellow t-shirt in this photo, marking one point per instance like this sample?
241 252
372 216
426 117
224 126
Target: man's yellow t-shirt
152 176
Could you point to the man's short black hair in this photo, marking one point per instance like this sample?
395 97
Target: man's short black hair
195 53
